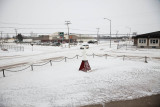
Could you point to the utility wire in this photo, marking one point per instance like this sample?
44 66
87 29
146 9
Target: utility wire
26 24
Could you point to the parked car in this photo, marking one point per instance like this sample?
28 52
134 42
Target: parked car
55 44
46 43
81 41
84 46
92 42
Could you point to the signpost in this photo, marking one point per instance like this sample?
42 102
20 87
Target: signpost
61 34
32 46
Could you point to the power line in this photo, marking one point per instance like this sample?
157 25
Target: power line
31 28
26 24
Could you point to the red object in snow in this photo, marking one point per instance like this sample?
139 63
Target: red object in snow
85 66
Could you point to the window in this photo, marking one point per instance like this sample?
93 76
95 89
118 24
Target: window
154 41
142 40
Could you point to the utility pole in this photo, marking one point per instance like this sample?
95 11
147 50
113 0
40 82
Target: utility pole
129 33
7 36
97 35
1 34
67 23
16 34
116 34
110 30
16 31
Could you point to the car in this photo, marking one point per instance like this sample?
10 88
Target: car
92 42
55 44
45 43
81 41
84 46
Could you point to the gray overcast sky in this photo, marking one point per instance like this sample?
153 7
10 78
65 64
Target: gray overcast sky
142 16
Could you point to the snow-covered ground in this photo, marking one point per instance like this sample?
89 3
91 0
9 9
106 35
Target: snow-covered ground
62 84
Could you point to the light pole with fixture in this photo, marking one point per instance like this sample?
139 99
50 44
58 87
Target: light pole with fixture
97 35
110 30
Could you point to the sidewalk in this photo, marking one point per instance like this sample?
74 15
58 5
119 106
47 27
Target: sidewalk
149 101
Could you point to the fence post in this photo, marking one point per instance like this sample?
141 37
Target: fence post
123 57
77 56
93 55
50 62
103 104
65 59
126 46
117 46
32 67
3 73
106 56
146 59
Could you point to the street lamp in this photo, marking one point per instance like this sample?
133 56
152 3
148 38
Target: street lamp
97 35
110 30
67 23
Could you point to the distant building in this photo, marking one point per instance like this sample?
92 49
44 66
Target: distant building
148 40
57 35
10 40
27 40
73 37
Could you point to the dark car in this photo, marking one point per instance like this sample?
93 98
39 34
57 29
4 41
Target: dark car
91 42
81 41
55 44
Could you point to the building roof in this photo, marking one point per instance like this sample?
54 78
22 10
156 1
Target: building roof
149 35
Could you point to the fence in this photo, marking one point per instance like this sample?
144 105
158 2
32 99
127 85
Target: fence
121 45
124 57
12 47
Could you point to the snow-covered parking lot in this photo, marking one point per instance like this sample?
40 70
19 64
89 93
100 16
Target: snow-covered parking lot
62 84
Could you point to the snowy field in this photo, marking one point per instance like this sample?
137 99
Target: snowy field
112 77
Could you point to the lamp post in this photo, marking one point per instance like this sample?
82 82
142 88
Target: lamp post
97 35
67 23
110 30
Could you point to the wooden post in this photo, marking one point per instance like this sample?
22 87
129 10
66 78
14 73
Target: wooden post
65 59
32 67
3 73
146 59
123 57
126 46
93 55
77 56
106 56
50 62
